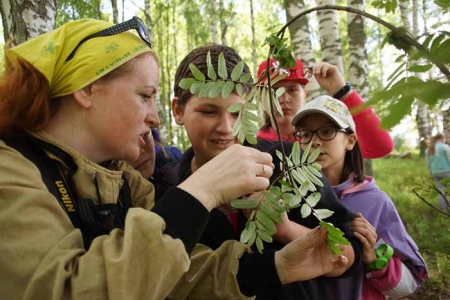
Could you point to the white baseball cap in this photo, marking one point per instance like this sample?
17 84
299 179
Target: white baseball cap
334 109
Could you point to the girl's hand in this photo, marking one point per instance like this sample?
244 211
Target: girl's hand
367 235
328 77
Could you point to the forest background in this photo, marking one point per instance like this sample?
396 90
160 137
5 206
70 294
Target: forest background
354 44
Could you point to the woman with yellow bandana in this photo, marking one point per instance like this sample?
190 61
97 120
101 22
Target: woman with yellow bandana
75 103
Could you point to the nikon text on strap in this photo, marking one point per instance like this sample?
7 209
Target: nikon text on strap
82 216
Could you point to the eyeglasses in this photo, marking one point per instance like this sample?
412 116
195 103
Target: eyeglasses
133 23
325 134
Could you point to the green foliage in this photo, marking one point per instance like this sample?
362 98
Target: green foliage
389 5
73 10
429 229
404 88
299 171
298 192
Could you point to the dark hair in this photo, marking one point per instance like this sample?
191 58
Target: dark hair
434 139
353 162
198 58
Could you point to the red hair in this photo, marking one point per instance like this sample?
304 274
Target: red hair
24 102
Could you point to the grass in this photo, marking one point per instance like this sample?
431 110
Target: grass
429 228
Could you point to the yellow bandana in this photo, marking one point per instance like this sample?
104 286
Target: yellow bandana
93 59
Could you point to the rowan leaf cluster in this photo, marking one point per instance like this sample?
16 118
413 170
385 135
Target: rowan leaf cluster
296 186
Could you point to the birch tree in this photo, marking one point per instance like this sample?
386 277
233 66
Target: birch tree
23 20
254 53
214 31
301 40
330 41
115 11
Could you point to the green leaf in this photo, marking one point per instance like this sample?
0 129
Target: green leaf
252 238
245 234
216 89
259 245
239 89
420 68
196 87
227 89
295 200
311 176
244 203
204 91
313 199
280 91
313 156
305 210
314 172
237 127
186 83
265 221
196 72
211 72
222 68
306 152
270 212
295 154
246 77
263 235
234 108
237 71
251 116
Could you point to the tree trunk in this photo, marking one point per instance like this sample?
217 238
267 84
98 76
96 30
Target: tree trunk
214 31
423 115
358 70
254 54
301 40
405 13
115 11
446 124
23 20
330 40
148 19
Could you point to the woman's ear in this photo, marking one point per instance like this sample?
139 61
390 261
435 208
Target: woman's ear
177 111
352 139
84 97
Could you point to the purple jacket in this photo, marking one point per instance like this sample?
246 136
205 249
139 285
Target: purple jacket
380 211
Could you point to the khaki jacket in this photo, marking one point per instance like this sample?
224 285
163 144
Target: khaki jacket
42 255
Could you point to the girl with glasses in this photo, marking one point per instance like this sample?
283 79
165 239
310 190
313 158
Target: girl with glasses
374 141
328 125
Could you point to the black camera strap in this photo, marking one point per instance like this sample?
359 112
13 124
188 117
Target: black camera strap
57 183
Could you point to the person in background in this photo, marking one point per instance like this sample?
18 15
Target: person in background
375 142
164 154
437 156
81 99
328 125
208 124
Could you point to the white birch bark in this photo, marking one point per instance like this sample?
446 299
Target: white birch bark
23 20
301 40
330 41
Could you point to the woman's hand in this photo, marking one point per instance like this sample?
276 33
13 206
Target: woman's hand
235 172
307 257
368 237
